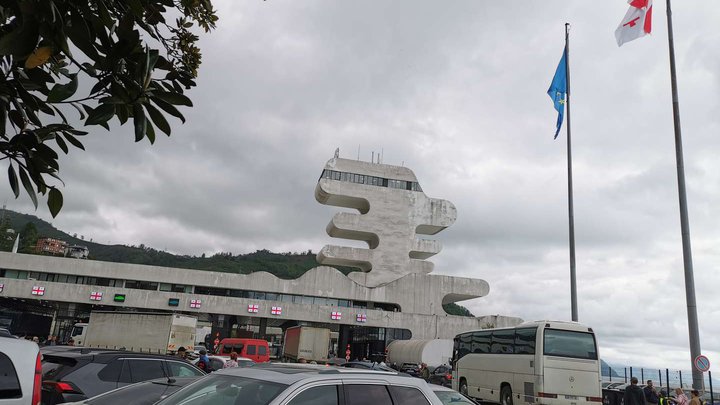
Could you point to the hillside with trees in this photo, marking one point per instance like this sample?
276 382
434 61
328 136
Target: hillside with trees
283 265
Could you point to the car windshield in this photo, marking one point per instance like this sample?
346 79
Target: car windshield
226 390
450 397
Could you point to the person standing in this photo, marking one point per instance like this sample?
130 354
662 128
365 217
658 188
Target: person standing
204 362
425 373
680 397
181 352
695 400
651 396
633 394
232 362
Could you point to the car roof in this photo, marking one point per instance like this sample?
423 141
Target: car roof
291 373
101 355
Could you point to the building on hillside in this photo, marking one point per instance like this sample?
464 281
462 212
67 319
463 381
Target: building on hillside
51 246
77 252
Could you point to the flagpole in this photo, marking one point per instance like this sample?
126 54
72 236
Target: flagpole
571 215
693 329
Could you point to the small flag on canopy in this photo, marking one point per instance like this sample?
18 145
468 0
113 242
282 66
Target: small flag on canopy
636 23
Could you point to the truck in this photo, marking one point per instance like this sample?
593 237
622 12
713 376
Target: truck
136 331
433 352
308 343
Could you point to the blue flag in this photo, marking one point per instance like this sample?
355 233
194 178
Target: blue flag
557 91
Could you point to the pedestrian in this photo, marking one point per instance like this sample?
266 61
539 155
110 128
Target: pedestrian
695 400
680 397
181 352
204 362
425 373
232 362
651 396
663 400
633 394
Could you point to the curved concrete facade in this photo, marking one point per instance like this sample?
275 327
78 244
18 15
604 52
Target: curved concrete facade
392 211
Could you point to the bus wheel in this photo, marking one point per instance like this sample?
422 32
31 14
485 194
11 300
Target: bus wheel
463 386
506 395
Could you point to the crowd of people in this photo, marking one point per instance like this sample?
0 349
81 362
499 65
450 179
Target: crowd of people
634 395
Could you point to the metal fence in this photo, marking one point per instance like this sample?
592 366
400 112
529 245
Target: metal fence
664 379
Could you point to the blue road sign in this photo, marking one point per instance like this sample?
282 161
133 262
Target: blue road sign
702 363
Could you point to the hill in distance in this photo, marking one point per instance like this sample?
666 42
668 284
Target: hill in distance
283 265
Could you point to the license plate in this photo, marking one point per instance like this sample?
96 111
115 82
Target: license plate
571 397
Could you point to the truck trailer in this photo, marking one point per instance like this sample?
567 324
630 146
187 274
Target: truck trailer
308 343
432 352
137 331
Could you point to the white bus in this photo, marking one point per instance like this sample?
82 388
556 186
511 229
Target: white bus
542 362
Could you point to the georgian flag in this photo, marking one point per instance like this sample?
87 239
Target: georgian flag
336 316
276 310
636 23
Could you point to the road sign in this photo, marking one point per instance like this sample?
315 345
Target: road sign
702 363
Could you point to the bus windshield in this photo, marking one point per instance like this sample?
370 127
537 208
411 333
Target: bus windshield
566 343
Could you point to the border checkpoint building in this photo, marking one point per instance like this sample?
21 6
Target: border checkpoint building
393 295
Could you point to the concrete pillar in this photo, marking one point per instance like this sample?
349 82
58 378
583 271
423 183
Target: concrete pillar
343 340
262 331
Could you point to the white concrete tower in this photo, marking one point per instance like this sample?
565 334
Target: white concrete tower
393 210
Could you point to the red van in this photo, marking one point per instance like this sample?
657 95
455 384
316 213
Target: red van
255 349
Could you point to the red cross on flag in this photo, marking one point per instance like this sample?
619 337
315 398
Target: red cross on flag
96 296
38 290
253 308
336 316
195 303
2 286
276 311
636 23
361 318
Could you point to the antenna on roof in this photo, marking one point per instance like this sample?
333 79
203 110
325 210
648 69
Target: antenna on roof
382 154
358 152
372 159
337 152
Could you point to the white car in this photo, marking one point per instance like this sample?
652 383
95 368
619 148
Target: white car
22 384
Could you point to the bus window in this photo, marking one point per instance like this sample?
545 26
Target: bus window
503 341
525 340
481 342
465 345
565 343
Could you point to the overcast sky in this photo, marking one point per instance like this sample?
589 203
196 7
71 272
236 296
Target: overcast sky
455 91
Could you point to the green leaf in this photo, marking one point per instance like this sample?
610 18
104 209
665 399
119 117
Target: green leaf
55 201
150 132
27 183
158 119
101 114
61 92
61 143
140 122
168 108
74 141
13 181
174 98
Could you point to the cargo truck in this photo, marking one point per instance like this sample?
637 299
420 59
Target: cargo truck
433 352
136 331
305 342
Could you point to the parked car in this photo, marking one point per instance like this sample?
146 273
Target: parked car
142 393
304 384
19 372
366 365
218 362
411 368
6 333
451 397
72 375
441 375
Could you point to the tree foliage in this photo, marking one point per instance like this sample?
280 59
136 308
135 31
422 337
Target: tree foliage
137 65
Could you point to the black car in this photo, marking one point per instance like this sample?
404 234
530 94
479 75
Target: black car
73 375
143 393
411 368
442 375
